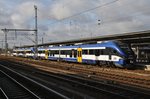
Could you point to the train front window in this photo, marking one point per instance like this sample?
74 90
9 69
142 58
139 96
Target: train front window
125 48
114 52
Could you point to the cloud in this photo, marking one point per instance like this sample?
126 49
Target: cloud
118 17
23 14
4 15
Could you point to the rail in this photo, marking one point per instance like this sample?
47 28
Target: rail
39 90
124 93
3 94
16 89
110 89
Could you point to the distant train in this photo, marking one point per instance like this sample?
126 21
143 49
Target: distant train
110 53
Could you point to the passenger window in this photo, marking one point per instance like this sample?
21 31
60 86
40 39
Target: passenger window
97 52
85 52
91 52
102 52
75 53
70 54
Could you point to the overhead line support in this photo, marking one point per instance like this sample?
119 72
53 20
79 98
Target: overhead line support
36 35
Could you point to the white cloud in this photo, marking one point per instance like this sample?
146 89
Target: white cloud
23 14
118 17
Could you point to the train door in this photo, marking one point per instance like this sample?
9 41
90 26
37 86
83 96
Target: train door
79 52
46 54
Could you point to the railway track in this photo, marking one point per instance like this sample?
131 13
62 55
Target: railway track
3 94
13 89
96 86
108 75
61 64
18 86
102 74
40 77
137 82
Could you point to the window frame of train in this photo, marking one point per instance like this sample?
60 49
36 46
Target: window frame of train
75 53
97 52
40 52
24 52
114 52
62 52
56 51
106 51
28 51
91 51
70 53
85 52
53 52
50 54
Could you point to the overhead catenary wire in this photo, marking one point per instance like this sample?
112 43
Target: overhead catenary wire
104 21
110 19
77 14
104 5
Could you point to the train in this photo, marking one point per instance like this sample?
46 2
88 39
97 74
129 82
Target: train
109 53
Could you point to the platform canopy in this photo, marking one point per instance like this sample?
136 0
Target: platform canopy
132 37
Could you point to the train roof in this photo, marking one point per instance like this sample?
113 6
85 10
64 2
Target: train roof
23 49
103 44
84 46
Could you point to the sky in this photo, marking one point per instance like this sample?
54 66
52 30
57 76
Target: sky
61 20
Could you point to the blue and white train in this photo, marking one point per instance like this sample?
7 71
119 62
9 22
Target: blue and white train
107 53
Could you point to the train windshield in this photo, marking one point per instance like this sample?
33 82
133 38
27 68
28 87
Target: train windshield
125 48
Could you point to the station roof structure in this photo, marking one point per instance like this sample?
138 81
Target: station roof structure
132 37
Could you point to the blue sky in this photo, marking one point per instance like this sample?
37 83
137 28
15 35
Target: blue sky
119 17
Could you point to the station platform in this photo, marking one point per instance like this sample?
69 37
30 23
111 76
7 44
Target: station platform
143 66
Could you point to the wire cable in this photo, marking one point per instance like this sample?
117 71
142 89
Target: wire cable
85 11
